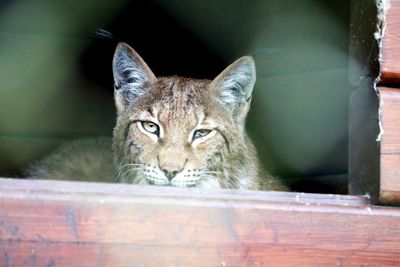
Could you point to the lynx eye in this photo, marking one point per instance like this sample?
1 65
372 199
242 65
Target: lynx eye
151 127
200 133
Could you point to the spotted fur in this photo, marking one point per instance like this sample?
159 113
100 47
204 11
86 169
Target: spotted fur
176 131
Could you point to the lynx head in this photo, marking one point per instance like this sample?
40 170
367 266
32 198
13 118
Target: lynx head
179 131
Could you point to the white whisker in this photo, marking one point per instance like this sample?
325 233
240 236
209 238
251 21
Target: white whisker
125 172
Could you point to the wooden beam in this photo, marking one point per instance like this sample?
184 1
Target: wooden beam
390 146
373 165
389 191
390 51
364 103
55 223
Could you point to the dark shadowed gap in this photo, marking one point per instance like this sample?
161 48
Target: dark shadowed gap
166 46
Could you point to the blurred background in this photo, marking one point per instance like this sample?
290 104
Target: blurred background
56 79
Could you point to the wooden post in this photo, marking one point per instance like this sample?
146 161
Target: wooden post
374 144
364 103
390 145
390 62
389 89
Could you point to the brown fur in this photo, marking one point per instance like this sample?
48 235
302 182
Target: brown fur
223 158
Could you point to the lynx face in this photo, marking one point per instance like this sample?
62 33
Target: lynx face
170 131
183 132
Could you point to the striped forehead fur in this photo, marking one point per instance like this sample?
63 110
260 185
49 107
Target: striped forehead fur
177 96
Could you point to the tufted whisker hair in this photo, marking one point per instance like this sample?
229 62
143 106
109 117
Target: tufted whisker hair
213 173
126 169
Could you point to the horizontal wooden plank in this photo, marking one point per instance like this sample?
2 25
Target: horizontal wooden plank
390 120
390 51
64 190
34 254
390 146
390 179
55 223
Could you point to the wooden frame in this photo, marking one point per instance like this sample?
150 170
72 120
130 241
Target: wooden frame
390 146
374 144
390 108
54 223
390 66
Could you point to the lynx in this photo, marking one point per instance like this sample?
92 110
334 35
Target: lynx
170 131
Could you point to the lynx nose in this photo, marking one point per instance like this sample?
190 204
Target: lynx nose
170 171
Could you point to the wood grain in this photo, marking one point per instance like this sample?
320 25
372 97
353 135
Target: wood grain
390 51
390 120
390 146
390 179
54 223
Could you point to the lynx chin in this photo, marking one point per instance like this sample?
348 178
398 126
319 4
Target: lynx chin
170 131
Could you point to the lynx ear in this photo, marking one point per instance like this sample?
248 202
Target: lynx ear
234 85
131 76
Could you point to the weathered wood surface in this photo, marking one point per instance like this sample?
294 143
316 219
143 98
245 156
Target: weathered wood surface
364 154
390 146
373 165
53 223
390 51
390 107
